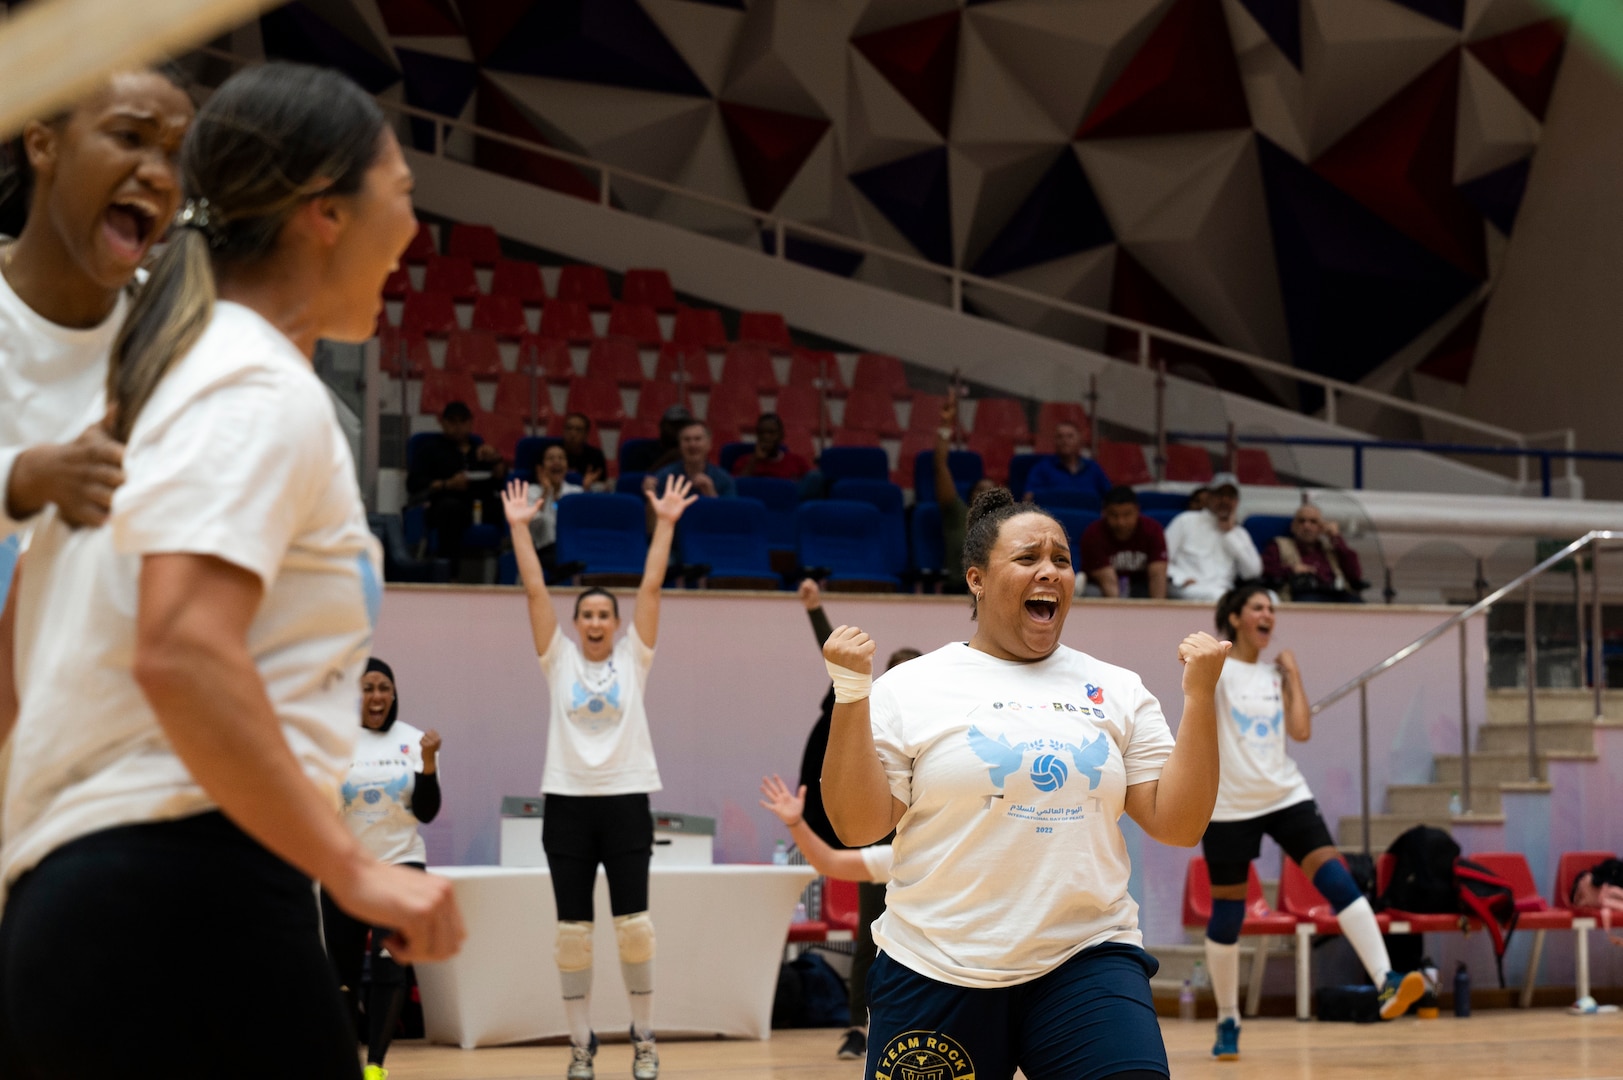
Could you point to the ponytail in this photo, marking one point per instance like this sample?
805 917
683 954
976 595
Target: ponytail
169 315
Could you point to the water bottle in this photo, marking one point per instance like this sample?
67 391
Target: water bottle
1124 586
1186 1001
800 912
1462 990
478 511
1455 807
1199 979
780 854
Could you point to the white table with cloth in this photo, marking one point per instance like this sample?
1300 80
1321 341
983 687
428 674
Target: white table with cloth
719 939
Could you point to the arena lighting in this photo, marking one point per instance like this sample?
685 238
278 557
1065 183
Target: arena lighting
1600 22
53 51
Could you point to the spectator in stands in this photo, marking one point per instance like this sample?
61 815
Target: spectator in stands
771 458
645 459
693 442
1068 468
583 457
1124 553
954 510
1313 564
1207 551
550 486
1197 499
452 473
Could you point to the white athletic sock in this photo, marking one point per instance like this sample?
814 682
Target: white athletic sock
642 1015
1358 923
1223 962
578 1011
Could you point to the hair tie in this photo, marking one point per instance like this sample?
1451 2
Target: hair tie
197 214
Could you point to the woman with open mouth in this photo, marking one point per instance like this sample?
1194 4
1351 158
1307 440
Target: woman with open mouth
1262 794
1003 764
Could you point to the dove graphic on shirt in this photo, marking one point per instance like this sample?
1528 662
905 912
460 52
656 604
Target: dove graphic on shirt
997 753
1090 759
1257 727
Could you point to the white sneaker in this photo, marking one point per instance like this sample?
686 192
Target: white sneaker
580 1061
645 1063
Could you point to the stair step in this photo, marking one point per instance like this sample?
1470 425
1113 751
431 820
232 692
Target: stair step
1178 961
1385 828
1509 705
1574 736
1489 769
1431 800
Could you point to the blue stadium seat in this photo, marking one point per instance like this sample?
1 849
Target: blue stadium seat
1020 468
929 553
731 452
1074 522
853 463
527 453
843 538
1162 516
1065 499
965 465
780 498
1162 500
885 497
629 483
604 533
1264 527
729 537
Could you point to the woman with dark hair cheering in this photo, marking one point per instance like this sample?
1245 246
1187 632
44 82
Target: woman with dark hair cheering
600 771
1009 939
393 784
180 684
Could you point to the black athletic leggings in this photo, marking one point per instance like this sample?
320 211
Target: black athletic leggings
358 960
181 949
581 831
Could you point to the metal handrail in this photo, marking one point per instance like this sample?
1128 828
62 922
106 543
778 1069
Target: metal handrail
956 279
1361 682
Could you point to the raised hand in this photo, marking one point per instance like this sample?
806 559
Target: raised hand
1202 657
949 409
431 745
590 478
1286 662
790 807
851 649
677 497
811 596
516 503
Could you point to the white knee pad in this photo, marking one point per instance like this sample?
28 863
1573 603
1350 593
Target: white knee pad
635 933
573 949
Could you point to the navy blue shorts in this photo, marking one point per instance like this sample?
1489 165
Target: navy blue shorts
1091 1018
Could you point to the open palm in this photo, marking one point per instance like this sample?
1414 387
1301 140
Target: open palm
788 806
516 503
677 497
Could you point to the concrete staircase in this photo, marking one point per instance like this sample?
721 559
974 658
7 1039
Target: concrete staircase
1565 730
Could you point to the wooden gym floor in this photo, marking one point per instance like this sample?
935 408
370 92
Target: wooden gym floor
1501 1044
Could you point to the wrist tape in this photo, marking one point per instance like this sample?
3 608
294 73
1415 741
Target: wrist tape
849 685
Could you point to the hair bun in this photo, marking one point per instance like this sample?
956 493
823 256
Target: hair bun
988 501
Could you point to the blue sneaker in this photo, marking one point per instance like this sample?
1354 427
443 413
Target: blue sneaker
1400 990
1227 1047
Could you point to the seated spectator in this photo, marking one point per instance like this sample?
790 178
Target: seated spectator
1197 499
1068 468
1313 564
1600 887
1124 553
954 510
1207 551
693 445
548 488
583 457
451 474
770 457
647 459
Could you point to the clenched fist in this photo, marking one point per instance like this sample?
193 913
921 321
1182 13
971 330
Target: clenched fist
849 648
1202 657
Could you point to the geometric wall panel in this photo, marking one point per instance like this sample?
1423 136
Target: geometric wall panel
593 41
1526 61
912 195
1184 79
1060 217
770 148
1282 21
1498 195
301 33
436 83
919 59
1448 12
1494 128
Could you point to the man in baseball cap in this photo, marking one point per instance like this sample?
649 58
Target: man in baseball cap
1207 551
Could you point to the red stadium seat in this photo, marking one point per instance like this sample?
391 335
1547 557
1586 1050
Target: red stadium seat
397 284
1002 418
588 284
996 452
417 359
800 408
814 367
1124 462
684 363
750 365
877 373
474 352
514 397
1300 898
926 416
451 275
499 430
567 320
615 358
872 412
1185 463
849 436
1572 865
428 315
764 328
699 326
599 399
1261 921
1252 465
421 248
654 398
733 410
500 315
549 355
440 388
515 277
1051 414
651 287
639 322
478 243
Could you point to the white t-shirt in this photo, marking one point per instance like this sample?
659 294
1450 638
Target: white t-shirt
377 793
1197 549
877 860
1009 859
1258 775
597 735
544 526
52 382
237 456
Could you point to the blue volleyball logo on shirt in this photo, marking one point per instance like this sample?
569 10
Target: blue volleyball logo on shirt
1254 727
594 707
1048 773
371 588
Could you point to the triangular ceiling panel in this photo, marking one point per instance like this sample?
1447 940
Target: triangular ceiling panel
880 125
1452 357
820 194
1282 21
1400 163
1275 89
1526 61
1498 195
1448 12
986 180
1183 79
437 84
1355 289
1060 217
920 60
1083 278
300 33
770 148
710 168
989 104
489 22
1066 63
706 35
762 73
496 111
1494 128
610 42
806 44
420 18
913 195
1487 18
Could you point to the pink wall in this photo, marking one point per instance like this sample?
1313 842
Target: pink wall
738 680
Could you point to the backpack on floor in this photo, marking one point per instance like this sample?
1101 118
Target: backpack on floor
1423 872
1490 899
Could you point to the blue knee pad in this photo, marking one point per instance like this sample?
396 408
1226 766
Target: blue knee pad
1224 925
1337 885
